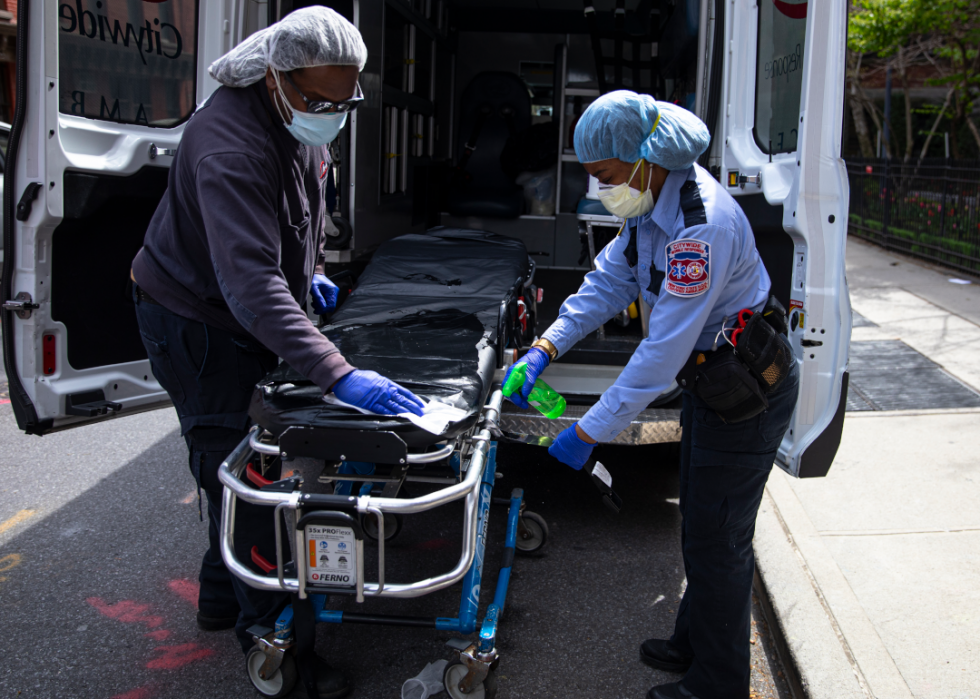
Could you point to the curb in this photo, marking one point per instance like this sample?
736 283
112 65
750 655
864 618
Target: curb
801 620
834 648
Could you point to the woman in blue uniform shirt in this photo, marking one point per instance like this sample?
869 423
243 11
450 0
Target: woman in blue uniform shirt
688 249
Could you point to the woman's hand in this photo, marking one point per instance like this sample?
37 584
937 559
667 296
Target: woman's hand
536 360
573 447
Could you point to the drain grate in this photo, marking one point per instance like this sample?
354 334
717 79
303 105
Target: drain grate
890 375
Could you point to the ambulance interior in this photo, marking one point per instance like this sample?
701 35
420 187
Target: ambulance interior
442 75
479 102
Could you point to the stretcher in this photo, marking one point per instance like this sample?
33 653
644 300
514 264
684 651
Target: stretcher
433 312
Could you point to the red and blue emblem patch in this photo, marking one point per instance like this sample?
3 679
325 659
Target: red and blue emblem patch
688 267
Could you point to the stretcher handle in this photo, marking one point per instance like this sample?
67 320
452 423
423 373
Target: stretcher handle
259 560
426 458
256 477
322 500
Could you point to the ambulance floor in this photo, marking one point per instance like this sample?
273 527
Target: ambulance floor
100 544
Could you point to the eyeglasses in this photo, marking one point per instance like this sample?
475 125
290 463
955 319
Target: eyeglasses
315 107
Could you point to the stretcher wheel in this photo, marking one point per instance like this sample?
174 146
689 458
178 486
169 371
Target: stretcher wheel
454 674
393 525
532 533
280 684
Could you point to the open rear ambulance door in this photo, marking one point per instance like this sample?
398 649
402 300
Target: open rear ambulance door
777 108
104 88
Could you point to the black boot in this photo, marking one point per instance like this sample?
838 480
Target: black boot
658 653
216 622
674 690
330 683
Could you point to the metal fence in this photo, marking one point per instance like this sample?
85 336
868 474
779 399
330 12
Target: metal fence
928 209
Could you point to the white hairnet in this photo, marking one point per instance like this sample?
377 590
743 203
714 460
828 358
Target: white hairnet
628 126
311 36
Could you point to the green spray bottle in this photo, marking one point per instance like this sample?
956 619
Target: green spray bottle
547 400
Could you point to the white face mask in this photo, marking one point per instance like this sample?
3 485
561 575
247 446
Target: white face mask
625 201
311 129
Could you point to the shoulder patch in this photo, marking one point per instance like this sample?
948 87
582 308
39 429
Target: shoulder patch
688 267
691 205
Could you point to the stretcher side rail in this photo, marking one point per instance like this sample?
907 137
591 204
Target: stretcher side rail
230 472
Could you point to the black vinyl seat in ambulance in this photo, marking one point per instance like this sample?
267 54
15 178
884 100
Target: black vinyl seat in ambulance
494 106
430 312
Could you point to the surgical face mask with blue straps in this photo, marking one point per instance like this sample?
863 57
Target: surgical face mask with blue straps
309 129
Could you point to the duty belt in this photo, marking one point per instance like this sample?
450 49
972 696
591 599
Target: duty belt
775 315
688 372
144 297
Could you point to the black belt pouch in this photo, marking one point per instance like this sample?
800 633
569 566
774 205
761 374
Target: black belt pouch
761 349
727 387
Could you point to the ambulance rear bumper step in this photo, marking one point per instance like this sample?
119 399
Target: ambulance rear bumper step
653 426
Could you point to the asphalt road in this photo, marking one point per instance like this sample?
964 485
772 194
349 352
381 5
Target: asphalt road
100 545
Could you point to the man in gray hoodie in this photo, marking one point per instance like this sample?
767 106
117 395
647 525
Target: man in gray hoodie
232 252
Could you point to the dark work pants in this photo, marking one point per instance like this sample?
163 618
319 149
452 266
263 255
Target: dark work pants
210 374
724 469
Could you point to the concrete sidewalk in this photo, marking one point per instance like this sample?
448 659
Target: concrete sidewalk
873 570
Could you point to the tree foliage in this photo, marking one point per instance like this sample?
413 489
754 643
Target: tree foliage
943 34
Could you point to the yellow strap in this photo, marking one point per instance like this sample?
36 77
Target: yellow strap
655 123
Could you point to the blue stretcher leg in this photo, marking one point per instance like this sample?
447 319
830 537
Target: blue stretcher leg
469 604
284 624
488 631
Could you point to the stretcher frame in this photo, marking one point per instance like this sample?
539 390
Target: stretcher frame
473 458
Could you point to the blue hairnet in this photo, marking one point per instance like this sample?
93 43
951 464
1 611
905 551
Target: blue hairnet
628 126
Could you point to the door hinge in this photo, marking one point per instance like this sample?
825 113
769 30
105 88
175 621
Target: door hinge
26 202
21 305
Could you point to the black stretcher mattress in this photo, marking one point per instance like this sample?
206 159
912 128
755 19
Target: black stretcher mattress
424 313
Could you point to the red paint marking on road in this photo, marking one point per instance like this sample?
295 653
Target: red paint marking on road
144 692
127 611
4 401
158 635
187 590
176 657
433 544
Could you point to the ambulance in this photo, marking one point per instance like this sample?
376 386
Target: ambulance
468 119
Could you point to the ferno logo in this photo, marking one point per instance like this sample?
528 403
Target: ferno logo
792 10
162 38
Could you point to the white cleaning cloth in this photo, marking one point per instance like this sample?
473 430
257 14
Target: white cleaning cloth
435 416
427 683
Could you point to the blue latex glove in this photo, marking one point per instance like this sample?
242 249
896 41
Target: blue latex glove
324 294
537 360
371 391
571 449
